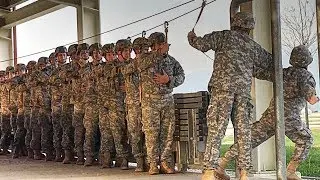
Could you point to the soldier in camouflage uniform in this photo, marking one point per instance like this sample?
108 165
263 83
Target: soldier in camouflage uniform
40 115
157 82
132 84
90 120
31 66
5 112
78 82
236 56
299 87
67 107
104 90
19 134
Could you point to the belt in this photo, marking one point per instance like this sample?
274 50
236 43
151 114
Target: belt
158 96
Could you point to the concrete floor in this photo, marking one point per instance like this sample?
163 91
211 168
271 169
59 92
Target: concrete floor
22 169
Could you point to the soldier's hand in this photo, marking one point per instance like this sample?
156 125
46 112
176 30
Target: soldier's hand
191 35
313 100
161 79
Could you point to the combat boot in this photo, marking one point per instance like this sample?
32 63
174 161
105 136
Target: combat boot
124 164
291 170
37 155
58 157
243 175
49 156
220 172
89 161
80 160
208 175
16 151
140 165
118 162
165 168
30 154
153 170
67 157
106 160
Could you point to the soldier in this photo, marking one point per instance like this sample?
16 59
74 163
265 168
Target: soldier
13 107
157 83
31 66
105 91
67 107
19 134
56 89
132 85
236 57
78 82
5 112
299 87
52 63
90 100
40 115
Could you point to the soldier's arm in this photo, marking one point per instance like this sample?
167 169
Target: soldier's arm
207 42
147 61
308 88
263 74
178 75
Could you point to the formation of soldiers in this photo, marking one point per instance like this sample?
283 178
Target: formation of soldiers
54 108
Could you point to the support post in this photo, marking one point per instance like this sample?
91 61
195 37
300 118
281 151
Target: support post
278 89
88 21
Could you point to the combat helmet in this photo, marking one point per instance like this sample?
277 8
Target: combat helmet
300 57
108 48
156 38
61 49
31 65
72 49
123 44
94 47
20 67
140 43
243 20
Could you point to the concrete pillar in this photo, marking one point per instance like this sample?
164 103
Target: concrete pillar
263 157
6 48
88 21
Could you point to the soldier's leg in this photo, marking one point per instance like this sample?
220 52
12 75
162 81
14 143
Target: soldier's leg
91 112
13 121
297 132
36 133
46 134
79 131
119 133
27 126
151 128
57 132
106 138
67 134
5 131
243 117
19 134
167 122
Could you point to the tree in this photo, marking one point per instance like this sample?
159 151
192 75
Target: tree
299 26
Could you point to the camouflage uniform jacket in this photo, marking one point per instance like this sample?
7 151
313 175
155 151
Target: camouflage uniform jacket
236 56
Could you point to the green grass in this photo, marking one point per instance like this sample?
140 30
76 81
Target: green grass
310 167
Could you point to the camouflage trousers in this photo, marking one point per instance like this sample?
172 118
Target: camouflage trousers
106 134
67 129
90 122
20 133
79 130
158 125
137 140
5 128
222 106
116 118
295 130
42 130
13 119
56 116
27 126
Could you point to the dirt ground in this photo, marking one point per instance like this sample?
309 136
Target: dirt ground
16 169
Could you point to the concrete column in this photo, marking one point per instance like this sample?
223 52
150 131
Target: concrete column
88 21
6 48
263 157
